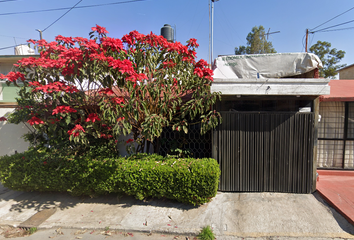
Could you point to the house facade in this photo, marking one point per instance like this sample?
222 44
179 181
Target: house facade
267 141
336 127
346 73
10 134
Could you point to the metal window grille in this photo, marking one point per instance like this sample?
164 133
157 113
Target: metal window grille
336 134
192 144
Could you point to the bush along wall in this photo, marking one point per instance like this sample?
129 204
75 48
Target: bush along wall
187 180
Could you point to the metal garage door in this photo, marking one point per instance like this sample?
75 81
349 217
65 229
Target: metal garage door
265 152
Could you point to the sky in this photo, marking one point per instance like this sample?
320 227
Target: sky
233 20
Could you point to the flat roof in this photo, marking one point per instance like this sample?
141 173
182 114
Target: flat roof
349 66
341 91
15 58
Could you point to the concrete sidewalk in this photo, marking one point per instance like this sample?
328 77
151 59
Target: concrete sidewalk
230 214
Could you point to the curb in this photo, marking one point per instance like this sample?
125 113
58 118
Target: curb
125 230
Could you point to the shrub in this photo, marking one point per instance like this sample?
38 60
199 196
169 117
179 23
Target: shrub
188 180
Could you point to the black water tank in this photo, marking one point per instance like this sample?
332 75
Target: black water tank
167 32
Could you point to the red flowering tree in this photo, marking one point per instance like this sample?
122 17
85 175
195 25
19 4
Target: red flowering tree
90 91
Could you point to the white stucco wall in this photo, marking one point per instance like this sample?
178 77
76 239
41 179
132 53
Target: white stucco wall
10 135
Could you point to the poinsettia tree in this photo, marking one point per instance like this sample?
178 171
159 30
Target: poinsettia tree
90 91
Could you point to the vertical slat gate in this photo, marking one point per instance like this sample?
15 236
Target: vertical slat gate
265 152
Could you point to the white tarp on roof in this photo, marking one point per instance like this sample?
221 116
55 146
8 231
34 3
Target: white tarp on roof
277 65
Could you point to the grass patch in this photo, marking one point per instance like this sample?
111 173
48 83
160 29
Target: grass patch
206 234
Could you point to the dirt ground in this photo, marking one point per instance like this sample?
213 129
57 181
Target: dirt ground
12 232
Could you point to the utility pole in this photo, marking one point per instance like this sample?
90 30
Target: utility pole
40 34
212 30
209 36
307 37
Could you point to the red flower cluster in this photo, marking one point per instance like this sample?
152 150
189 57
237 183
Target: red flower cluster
124 66
99 29
3 119
118 100
129 140
132 37
105 136
169 64
104 125
112 43
13 76
106 91
54 87
63 109
76 130
35 121
201 70
93 117
66 40
192 43
26 61
91 45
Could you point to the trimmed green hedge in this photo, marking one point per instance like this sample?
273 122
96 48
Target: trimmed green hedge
187 180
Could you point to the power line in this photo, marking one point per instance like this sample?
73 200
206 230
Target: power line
62 15
2 1
338 29
332 18
12 37
12 46
333 26
66 8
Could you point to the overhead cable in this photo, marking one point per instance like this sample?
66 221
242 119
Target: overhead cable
338 29
332 18
12 46
12 37
66 8
62 16
332 26
3 1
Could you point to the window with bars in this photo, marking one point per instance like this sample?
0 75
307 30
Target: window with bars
336 135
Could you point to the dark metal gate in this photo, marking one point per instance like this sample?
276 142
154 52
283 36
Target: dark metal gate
265 152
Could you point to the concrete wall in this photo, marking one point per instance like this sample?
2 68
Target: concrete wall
347 73
10 135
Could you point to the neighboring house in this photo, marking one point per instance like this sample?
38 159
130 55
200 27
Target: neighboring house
10 134
267 140
346 72
336 127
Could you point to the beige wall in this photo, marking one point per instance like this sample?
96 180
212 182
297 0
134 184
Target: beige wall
10 135
347 73
5 68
